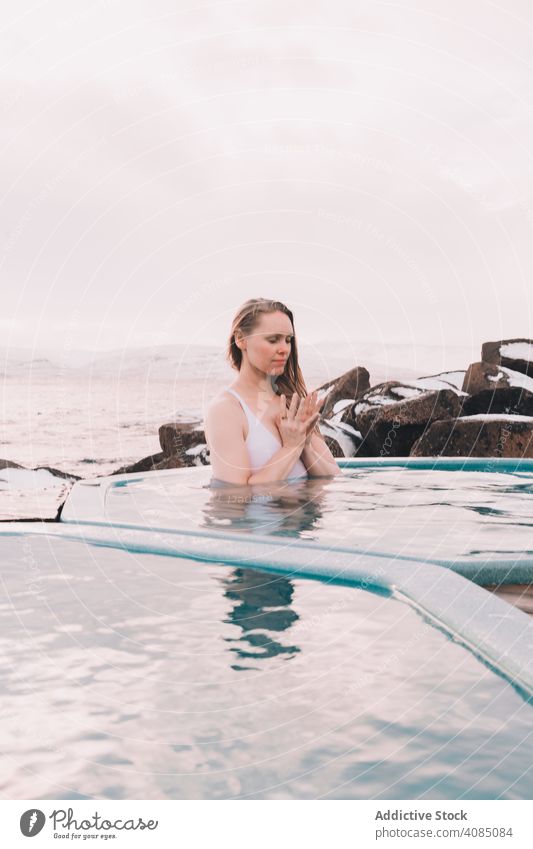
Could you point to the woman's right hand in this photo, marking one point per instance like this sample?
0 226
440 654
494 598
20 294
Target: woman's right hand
293 423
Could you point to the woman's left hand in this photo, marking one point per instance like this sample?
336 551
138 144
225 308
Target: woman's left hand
312 412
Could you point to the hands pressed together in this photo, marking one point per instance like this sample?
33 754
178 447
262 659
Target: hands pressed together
296 422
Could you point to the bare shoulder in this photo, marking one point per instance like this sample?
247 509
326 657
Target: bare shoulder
223 404
224 409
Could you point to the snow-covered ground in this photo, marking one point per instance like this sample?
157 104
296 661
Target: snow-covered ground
31 494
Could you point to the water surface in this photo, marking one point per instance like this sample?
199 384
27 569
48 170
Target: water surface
142 676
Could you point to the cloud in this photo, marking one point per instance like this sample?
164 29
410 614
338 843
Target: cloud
373 163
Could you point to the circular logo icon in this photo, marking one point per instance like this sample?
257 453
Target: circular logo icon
32 822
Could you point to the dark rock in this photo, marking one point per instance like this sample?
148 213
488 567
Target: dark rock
173 462
197 456
390 430
9 464
497 389
482 376
506 436
496 353
348 387
177 438
183 444
512 401
333 446
147 464
68 476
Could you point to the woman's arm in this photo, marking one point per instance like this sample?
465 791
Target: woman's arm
225 437
279 465
317 458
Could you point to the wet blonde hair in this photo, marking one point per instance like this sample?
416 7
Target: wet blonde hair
245 321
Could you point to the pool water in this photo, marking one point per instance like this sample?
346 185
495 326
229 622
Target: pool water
423 513
129 675
150 650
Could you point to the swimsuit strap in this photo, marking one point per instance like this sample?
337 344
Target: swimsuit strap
253 420
243 404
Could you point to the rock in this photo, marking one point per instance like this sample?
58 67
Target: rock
173 462
341 439
178 438
9 464
482 376
384 394
68 476
183 444
343 391
445 380
390 428
497 389
196 456
477 436
515 354
513 401
147 464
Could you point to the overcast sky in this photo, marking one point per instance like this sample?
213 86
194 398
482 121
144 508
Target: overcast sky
369 163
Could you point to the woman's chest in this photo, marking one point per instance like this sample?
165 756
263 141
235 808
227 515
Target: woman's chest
264 421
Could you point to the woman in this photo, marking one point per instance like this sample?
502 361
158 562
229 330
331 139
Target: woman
263 428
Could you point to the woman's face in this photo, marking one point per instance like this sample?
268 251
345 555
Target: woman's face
269 344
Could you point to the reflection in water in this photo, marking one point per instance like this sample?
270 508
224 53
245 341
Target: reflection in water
262 607
262 601
285 508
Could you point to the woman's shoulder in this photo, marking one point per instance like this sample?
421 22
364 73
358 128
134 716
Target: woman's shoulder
224 402
224 415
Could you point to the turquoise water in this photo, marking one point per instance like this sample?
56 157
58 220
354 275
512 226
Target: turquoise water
129 675
424 513
143 676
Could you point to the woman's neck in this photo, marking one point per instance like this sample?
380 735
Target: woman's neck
255 383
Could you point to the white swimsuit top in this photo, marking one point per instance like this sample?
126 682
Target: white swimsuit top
262 444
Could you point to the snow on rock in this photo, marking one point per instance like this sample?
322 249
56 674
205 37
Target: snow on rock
444 380
483 376
495 417
200 454
390 392
340 406
345 439
516 378
29 479
32 493
407 392
517 350
516 354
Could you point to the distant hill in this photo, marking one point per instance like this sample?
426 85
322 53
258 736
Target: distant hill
320 362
